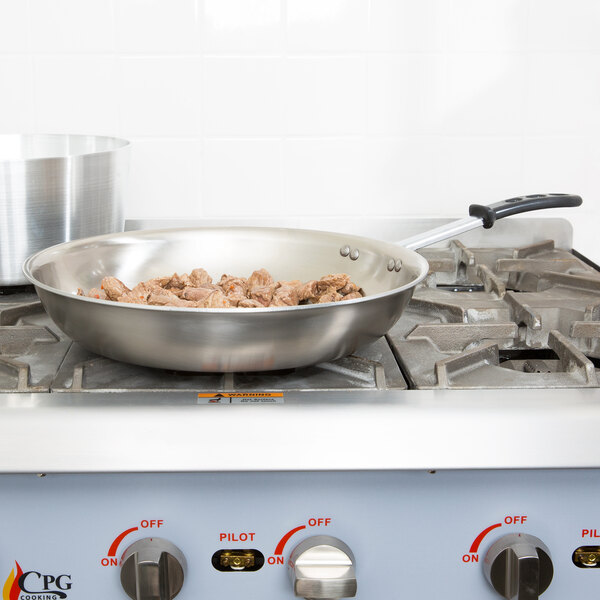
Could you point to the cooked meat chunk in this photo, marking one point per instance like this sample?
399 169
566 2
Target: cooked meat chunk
159 281
236 286
285 295
114 288
349 288
263 295
309 291
197 291
337 282
352 296
216 299
200 277
330 296
235 299
96 293
167 298
259 279
249 303
138 295
179 282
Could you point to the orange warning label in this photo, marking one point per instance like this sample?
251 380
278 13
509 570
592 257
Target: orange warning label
241 398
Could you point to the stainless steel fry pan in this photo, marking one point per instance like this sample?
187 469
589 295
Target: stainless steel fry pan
222 340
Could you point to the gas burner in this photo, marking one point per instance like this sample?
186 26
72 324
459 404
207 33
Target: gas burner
542 299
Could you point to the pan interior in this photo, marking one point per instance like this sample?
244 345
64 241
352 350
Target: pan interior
287 254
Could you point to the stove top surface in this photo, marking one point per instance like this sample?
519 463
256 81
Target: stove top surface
520 316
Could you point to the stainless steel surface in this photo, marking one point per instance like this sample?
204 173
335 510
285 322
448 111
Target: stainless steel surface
56 188
518 566
322 567
153 569
224 340
441 233
516 231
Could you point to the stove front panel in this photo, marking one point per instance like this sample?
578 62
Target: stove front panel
416 535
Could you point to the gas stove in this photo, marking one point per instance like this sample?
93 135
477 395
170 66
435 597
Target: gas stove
454 457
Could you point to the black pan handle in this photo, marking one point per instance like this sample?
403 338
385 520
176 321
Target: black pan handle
521 204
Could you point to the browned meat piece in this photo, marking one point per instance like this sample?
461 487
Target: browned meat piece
330 296
263 295
349 288
179 282
236 286
308 291
200 277
96 293
198 293
158 281
80 292
249 303
235 299
114 288
138 295
167 298
259 279
216 299
337 282
352 296
286 295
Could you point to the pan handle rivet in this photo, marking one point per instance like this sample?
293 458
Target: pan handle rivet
398 265
391 264
354 254
345 250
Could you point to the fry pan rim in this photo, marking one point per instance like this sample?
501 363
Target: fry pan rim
193 310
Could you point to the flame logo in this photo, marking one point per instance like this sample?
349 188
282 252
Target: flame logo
11 588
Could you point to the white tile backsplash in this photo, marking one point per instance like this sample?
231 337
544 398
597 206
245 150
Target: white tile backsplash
14 26
563 94
157 26
325 95
405 93
243 177
558 27
76 94
242 96
16 99
484 94
483 26
318 107
161 95
242 26
326 26
398 26
72 26
166 178
325 176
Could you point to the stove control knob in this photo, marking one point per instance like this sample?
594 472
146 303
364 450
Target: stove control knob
518 566
152 569
322 567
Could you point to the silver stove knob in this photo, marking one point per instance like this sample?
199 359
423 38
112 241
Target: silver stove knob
519 567
322 567
152 569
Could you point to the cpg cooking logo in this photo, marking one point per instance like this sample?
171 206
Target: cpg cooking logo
33 585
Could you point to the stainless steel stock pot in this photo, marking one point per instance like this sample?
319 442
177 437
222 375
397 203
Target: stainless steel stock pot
56 188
